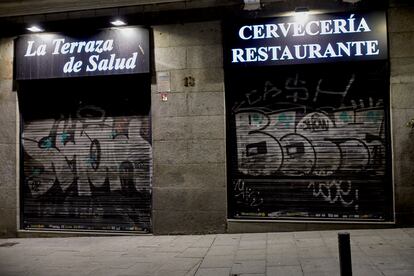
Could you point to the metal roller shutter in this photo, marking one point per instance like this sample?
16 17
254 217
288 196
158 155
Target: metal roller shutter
87 167
309 142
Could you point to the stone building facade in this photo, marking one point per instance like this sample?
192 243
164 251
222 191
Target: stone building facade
190 147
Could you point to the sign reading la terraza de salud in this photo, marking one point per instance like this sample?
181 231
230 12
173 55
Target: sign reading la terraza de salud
315 39
107 52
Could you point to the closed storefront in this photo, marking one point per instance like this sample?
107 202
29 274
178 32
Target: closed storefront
85 140
199 117
308 127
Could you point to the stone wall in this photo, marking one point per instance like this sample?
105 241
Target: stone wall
8 142
189 184
401 39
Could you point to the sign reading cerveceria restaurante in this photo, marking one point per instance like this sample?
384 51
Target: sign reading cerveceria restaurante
315 39
108 52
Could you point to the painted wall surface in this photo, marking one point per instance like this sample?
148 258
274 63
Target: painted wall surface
8 142
189 130
401 39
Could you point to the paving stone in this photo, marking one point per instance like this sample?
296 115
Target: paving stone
221 250
217 262
307 235
398 272
378 250
282 260
284 270
315 252
252 244
320 265
309 242
253 236
105 272
171 273
179 264
374 252
243 267
392 262
197 252
142 268
205 241
366 270
363 240
251 254
213 272
224 240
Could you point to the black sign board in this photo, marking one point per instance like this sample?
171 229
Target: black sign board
108 52
306 39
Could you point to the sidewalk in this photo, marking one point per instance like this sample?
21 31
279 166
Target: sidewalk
374 252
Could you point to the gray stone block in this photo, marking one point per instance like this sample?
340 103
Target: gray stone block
6 69
6 86
206 151
175 106
171 128
7 107
211 175
401 44
6 48
404 199
206 127
8 197
402 95
210 56
207 103
403 169
8 223
170 152
6 58
190 34
205 80
7 132
401 19
170 58
162 36
175 222
189 199
8 165
402 70
402 135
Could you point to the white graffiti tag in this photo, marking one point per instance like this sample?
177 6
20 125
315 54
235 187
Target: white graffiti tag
332 191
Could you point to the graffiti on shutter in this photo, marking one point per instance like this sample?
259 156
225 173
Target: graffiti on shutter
90 171
309 144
